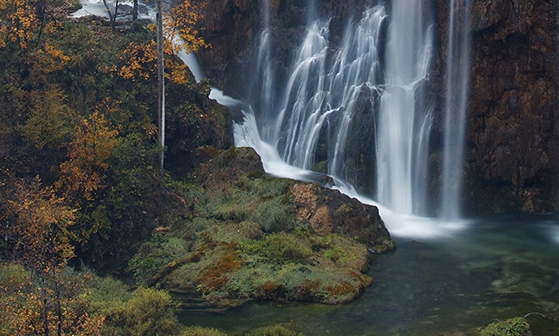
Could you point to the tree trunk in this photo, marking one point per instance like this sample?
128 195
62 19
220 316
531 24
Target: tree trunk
160 82
45 306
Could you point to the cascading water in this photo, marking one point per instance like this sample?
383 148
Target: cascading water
404 124
314 94
262 90
324 90
456 107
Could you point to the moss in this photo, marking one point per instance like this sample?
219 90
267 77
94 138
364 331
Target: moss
275 330
341 288
278 247
157 253
216 275
512 327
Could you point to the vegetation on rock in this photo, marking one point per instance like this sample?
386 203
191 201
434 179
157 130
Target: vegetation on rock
244 235
512 327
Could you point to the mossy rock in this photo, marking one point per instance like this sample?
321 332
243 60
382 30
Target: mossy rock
246 235
516 326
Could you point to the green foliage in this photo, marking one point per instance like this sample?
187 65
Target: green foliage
50 119
516 326
108 298
155 254
149 312
275 330
201 331
278 247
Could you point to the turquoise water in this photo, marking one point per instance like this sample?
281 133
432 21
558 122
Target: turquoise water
497 268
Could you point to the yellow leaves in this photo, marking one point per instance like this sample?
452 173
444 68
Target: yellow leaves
48 120
48 58
88 153
180 34
182 22
20 22
40 227
139 61
29 307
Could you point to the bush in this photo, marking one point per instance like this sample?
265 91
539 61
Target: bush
149 313
512 327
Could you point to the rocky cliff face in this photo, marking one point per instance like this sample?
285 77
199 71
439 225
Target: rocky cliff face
512 160
513 114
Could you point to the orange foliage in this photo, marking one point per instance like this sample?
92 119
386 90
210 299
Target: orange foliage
40 228
50 59
88 153
21 21
24 310
181 22
140 60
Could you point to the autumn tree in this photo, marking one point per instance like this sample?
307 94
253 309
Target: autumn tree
37 227
19 22
83 173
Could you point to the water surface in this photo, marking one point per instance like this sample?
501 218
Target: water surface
498 267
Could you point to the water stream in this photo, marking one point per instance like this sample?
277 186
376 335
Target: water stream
456 108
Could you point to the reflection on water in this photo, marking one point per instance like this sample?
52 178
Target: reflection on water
500 267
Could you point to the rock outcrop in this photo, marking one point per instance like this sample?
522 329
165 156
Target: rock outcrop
513 115
245 235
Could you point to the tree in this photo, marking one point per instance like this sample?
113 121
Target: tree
112 16
174 32
82 174
38 228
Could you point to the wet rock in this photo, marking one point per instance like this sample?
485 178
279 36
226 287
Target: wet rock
329 211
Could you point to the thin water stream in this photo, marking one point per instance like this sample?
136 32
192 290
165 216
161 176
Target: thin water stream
499 267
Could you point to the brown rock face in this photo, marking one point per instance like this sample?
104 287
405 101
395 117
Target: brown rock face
229 27
513 111
512 157
328 211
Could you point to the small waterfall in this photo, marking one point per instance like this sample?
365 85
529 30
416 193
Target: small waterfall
314 93
456 107
404 123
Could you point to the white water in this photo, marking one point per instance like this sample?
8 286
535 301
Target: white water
315 94
404 125
456 108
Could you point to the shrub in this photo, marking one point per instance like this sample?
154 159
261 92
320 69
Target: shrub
512 327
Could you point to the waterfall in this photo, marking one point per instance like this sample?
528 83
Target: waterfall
457 71
316 93
379 68
404 124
